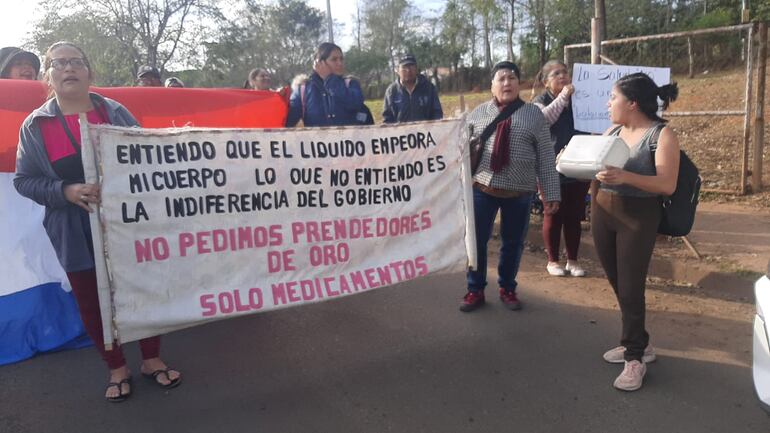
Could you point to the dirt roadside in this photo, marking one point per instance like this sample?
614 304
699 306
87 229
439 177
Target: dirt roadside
709 299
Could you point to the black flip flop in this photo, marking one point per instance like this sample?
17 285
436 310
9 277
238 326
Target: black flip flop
154 377
121 395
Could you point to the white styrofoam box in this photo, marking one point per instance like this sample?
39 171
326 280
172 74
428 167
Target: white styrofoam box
586 155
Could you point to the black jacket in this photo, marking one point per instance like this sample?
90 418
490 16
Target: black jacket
422 104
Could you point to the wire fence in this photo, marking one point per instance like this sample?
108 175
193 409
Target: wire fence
716 70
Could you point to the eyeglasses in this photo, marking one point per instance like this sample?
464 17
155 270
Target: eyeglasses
75 62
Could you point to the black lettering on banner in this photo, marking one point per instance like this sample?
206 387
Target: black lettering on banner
305 176
180 207
369 196
177 179
334 149
402 143
278 149
436 164
339 177
139 212
243 149
166 153
311 198
267 179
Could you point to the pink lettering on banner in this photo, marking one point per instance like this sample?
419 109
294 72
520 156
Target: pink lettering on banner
280 261
186 240
315 289
151 249
233 239
309 290
326 255
359 228
425 218
370 278
229 302
291 291
202 241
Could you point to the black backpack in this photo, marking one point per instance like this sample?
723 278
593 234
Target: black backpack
364 116
679 208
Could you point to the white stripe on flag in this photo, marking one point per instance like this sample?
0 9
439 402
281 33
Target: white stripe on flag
27 258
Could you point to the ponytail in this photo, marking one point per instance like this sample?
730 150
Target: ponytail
640 88
668 93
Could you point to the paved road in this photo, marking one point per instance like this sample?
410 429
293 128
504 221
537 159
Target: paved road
404 360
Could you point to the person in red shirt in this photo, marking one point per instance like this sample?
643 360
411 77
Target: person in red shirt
49 170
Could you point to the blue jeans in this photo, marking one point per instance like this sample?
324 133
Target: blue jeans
514 222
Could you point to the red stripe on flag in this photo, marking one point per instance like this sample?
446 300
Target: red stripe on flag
154 107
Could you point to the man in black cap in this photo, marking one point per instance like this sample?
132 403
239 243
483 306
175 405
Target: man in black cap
148 76
17 64
412 97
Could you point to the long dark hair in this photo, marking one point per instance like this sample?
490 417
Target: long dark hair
325 50
640 88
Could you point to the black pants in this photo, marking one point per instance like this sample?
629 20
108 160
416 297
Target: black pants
624 230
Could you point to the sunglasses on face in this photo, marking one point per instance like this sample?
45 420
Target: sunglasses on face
61 64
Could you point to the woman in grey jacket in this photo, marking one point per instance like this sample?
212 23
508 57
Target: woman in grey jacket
49 171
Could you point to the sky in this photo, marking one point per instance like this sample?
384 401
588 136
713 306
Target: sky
16 21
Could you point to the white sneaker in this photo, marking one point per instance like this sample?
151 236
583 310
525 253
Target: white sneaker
631 377
555 269
615 356
575 270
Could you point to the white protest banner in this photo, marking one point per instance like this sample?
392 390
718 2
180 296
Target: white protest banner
593 84
207 224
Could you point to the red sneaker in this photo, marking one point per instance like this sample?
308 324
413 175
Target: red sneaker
508 297
472 301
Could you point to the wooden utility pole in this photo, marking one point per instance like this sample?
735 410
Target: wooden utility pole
329 20
596 42
759 117
598 32
599 12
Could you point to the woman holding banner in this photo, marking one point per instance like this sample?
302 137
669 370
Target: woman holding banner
49 171
556 107
626 211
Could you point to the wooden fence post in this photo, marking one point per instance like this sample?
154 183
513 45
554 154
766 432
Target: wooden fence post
759 117
747 118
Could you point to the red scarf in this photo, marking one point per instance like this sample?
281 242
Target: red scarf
501 148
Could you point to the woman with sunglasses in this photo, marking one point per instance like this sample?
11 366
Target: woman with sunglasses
49 171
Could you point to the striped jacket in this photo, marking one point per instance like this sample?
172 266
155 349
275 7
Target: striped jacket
532 158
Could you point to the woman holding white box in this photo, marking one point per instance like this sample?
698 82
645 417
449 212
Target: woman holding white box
626 211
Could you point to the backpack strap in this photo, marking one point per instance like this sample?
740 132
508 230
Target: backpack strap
616 130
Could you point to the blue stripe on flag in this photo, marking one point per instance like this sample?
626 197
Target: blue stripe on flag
41 319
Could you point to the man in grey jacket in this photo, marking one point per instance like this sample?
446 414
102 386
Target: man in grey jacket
412 97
